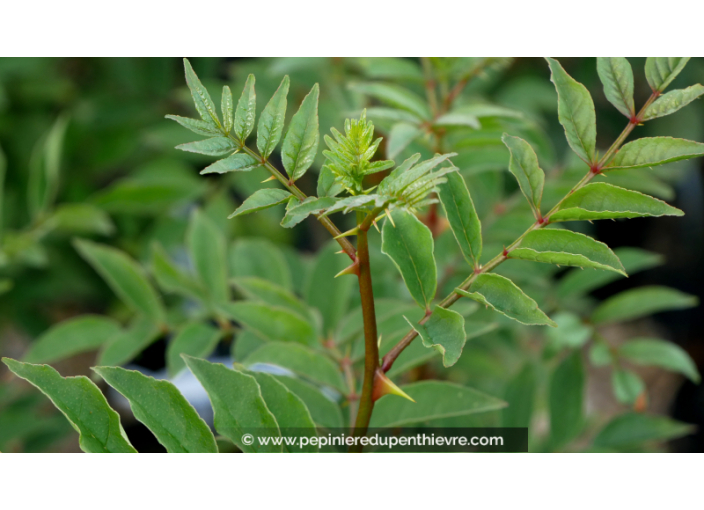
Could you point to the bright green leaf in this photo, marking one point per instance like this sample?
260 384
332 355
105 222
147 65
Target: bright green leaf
271 322
660 71
575 110
463 218
163 410
647 152
639 302
301 141
395 95
571 332
238 162
673 101
660 353
299 212
271 120
83 405
524 166
210 146
400 136
197 126
201 98
505 297
228 109
262 199
82 219
444 332
72 336
564 247
458 119
627 385
409 244
246 110
617 76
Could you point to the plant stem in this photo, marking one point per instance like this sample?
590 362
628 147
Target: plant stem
388 360
371 347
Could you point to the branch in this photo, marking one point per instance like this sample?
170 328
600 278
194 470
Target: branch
595 170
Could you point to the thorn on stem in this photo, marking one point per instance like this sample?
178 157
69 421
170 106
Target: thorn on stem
351 269
385 386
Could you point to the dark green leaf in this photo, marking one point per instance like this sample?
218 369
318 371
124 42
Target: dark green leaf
201 98
395 95
210 146
601 201
323 410
660 353
520 395
401 135
433 399
238 162
633 428
505 297
571 331
639 302
564 247
261 258
524 166
271 322
271 120
262 199
82 219
646 152
237 403
70 337
246 110
566 400
673 101
194 339
463 218
575 110
164 411
83 405
444 332
44 169
617 76
660 71
300 360
124 276
259 289
409 244
171 278
126 345
301 141
627 385
208 251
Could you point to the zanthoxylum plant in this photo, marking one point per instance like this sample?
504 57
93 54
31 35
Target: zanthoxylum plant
244 398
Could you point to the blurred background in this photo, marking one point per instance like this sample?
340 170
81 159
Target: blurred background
98 125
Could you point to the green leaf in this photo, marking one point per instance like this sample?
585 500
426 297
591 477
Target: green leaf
260 200
330 295
210 147
525 168
237 403
201 98
238 162
633 428
245 344
582 281
660 71
601 201
409 244
433 399
130 342
444 332
323 410
124 276
290 411
228 109
194 339
301 141
627 385
246 110
259 289
575 110
261 258
600 354
463 218
505 297
271 322
567 248
44 169
70 337
299 212
458 119
571 331
640 302
395 95
163 410
301 361
197 126
520 395
566 399
171 278
400 136
327 184
673 101
271 121
381 113
617 76
83 405
208 251
81 219
660 353
646 152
